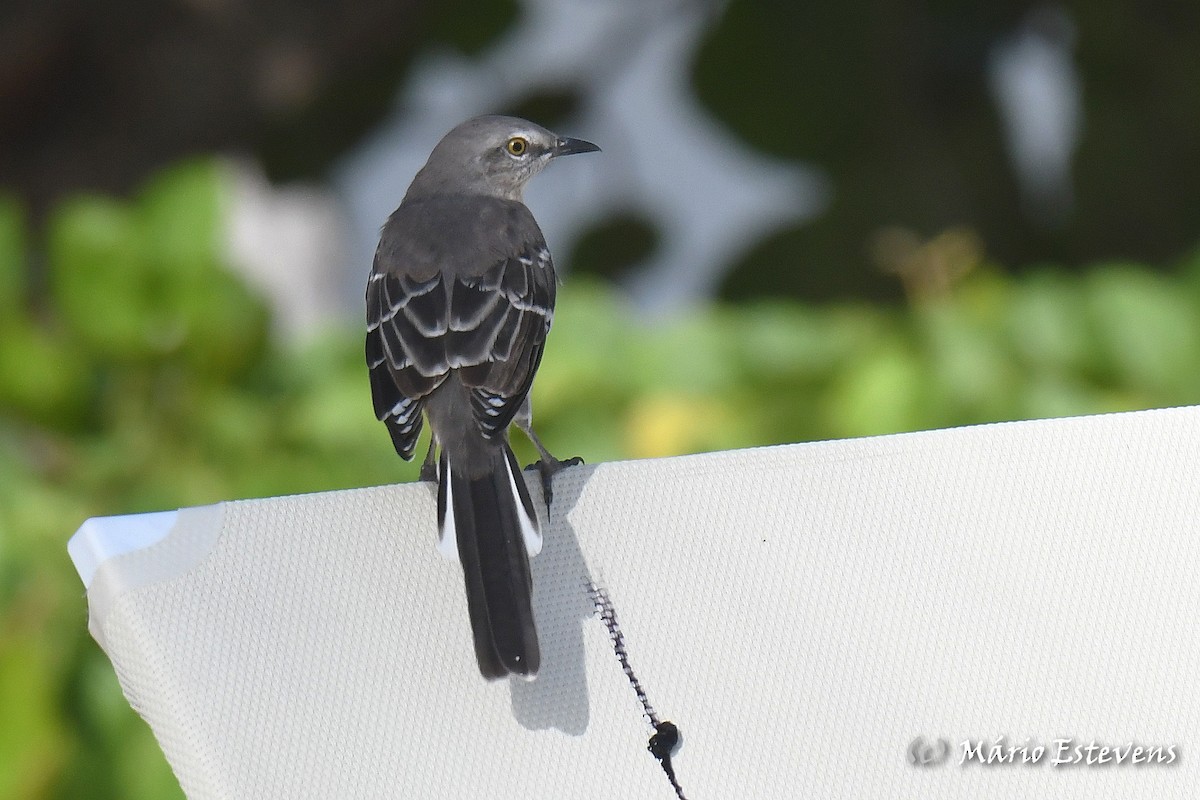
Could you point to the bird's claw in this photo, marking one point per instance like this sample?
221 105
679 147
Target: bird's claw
547 468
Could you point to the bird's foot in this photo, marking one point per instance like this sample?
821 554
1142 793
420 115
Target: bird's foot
549 466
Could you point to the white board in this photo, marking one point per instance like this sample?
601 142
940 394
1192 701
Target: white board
815 618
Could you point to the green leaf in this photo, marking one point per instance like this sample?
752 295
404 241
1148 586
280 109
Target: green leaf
13 249
115 298
226 326
1048 324
777 340
33 744
42 377
970 377
181 211
1147 332
880 392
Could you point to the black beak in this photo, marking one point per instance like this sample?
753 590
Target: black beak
569 147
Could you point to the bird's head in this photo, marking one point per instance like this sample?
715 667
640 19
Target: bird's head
492 155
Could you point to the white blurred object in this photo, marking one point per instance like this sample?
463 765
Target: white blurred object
289 242
1038 91
710 195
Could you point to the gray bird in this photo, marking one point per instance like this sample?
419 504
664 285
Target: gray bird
459 302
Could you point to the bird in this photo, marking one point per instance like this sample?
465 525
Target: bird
459 300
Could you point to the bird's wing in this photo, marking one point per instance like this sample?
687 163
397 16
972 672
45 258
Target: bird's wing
479 302
405 322
498 330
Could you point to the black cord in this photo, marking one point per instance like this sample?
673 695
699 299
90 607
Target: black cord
665 739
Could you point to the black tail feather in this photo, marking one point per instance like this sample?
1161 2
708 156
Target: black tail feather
486 516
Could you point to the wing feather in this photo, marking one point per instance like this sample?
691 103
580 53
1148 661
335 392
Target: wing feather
479 304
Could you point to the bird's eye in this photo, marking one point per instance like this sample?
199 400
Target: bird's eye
517 145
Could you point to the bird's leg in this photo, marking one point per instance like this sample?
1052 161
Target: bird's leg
547 466
429 465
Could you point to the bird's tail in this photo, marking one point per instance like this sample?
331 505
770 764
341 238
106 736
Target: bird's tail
490 516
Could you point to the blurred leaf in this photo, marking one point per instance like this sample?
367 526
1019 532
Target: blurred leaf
33 743
585 359
881 392
141 282
970 377
693 353
13 249
1045 396
1145 330
1048 323
782 340
42 377
113 296
142 771
986 294
224 323
227 326
180 209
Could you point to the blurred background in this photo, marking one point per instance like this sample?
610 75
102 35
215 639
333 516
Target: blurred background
809 221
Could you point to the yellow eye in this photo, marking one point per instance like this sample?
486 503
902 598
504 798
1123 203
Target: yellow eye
517 145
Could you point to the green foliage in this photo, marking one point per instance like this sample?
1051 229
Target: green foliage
12 255
136 282
146 380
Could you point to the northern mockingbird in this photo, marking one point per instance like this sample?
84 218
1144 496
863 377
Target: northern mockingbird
459 301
